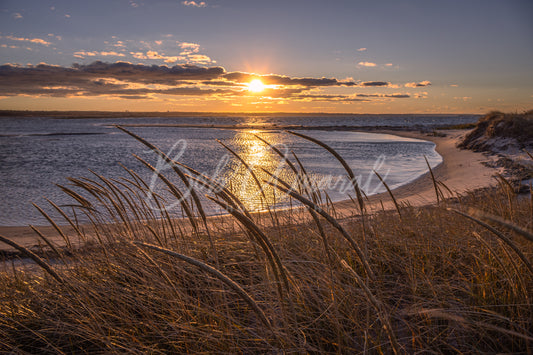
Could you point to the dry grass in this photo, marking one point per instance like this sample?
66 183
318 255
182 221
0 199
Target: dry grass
411 280
518 126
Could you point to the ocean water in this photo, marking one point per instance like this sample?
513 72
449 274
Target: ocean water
38 153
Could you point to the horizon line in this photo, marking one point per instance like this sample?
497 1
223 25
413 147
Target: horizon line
29 113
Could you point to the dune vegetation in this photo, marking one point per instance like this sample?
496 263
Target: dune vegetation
456 276
496 126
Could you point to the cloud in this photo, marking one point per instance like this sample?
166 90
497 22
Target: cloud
272 79
361 49
189 47
83 54
171 59
112 53
17 16
81 75
189 56
97 79
135 97
31 40
376 65
396 96
199 59
418 85
138 55
375 83
156 56
334 98
194 3
367 64
348 98
163 50
67 15
125 80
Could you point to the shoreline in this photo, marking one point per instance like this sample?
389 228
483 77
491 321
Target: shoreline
460 170
171 114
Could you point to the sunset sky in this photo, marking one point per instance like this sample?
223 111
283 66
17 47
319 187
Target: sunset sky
359 56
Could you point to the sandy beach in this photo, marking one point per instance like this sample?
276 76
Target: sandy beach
461 171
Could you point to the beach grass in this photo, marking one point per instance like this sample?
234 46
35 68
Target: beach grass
453 277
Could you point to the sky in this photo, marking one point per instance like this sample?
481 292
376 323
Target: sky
338 56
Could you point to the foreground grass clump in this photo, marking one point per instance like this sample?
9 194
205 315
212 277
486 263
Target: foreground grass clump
429 279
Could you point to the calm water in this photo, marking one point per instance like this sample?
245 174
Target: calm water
37 153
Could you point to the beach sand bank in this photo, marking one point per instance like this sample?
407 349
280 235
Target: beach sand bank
460 171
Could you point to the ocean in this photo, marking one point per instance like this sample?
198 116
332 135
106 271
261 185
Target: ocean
37 153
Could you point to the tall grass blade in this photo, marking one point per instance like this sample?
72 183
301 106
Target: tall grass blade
390 193
34 257
68 219
378 306
265 243
345 165
505 223
174 190
331 220
435 185
219 275
247 166
47 241
499 235
54 224
185 180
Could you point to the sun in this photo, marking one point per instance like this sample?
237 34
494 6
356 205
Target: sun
256 86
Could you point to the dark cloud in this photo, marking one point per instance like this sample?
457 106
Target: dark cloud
135 73
285 80
309 82
149 73
337 98
399 96
396 96
375 83
101 78
139 81
135 97
221 83
192 91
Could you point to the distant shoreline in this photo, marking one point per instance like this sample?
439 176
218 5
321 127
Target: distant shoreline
284 127
128 114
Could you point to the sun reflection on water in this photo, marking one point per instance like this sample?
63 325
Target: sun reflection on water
258 156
